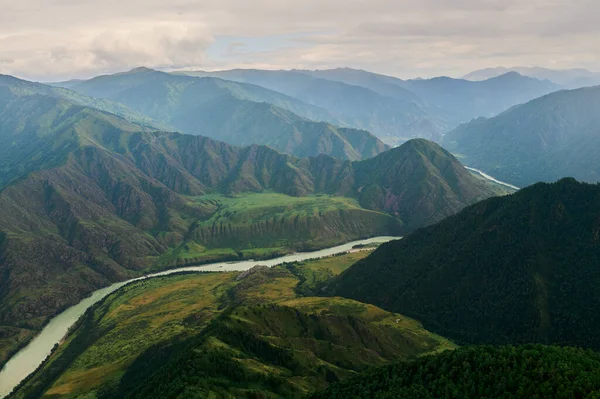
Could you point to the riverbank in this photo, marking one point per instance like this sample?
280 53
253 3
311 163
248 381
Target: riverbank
490 178
29 358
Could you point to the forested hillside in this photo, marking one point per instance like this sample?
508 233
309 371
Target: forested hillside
531 371
515 269
544 140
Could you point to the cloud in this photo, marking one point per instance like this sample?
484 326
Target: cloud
60 39
60 54
161 44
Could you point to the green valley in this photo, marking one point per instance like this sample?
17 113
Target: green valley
242 335
258 225
89 199
299 200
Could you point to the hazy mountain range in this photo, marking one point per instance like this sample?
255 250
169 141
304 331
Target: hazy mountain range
546 139
239 114
393 109
567 78
452 100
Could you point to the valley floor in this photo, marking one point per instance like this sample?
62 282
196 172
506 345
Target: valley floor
313 340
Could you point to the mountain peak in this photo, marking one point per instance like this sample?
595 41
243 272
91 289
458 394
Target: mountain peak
141 69
409 173
413 149
9 79
419 142
511 75
422 146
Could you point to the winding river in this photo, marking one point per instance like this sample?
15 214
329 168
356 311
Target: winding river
29 358
490 178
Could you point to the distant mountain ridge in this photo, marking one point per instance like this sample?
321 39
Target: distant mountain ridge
239 114
394 109
452 100
461 101
26 87
544 140
382 84
392 119
568 78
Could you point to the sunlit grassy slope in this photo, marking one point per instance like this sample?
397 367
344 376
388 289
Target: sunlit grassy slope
260 325
258 225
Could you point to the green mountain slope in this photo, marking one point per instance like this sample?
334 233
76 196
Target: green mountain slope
89 199
229 335
239 114
546 139
159 84
531 371
395 109
25 87
516 269
394 119
419 180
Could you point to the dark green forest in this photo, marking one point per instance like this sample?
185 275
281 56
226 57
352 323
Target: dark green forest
485 372
518 269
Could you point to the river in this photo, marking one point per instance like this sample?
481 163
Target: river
490 178
29 358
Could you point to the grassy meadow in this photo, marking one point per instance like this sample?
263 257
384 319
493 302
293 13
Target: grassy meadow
268 303
263 225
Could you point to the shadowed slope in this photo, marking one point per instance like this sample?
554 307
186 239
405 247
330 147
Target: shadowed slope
516 269
544 140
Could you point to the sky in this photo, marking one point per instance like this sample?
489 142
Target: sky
50 40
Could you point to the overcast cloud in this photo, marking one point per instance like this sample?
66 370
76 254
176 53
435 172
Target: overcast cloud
62 39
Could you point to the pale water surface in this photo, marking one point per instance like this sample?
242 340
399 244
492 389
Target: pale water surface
29 358
490 178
